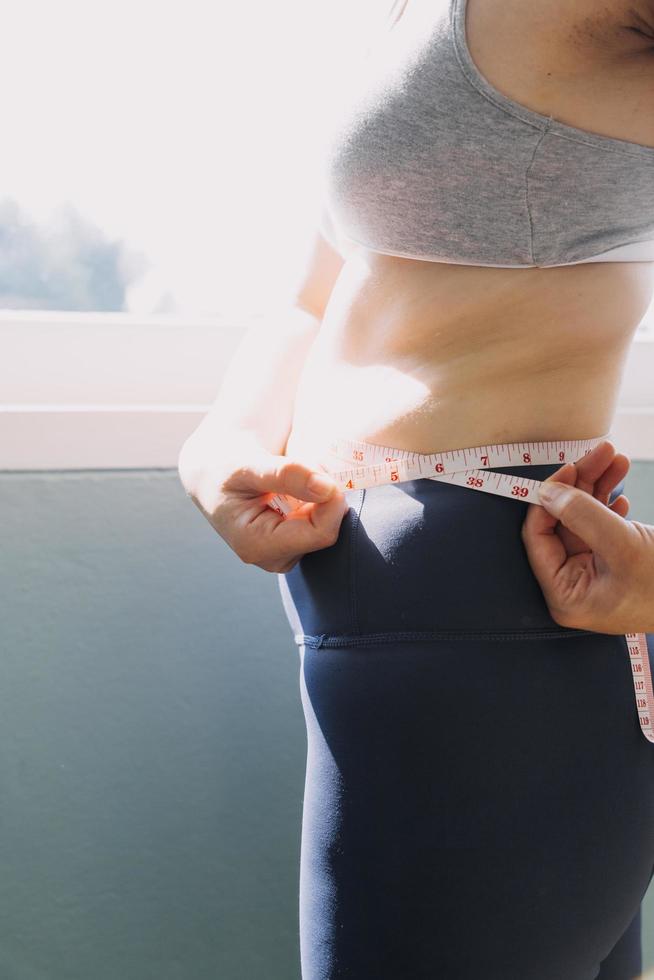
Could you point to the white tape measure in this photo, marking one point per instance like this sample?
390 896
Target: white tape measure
377 465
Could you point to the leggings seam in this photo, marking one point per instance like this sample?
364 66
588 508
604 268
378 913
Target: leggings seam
371 639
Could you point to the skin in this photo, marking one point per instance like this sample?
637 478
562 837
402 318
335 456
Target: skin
430 356
595 569
232 489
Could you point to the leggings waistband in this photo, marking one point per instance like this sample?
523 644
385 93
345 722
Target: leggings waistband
421 558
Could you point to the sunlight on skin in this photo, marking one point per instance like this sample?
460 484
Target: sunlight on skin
357 397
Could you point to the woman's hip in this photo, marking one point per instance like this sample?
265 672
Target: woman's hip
422 556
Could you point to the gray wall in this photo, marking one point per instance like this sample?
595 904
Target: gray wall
152 743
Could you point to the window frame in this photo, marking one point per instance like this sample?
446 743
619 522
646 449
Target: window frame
94 391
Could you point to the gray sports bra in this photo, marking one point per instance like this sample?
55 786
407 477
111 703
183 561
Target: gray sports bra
430 161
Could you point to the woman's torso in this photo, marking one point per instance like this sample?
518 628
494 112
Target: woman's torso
430 356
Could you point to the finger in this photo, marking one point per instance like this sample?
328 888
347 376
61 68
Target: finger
537 516
591 467
264 472
268 534
612 476
597 525
567 473
600 471
621 505
545 549
310 527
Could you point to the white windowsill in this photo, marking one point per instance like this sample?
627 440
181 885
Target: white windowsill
113 390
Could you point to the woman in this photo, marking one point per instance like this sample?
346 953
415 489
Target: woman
479 799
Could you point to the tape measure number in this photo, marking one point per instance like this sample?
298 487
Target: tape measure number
370 465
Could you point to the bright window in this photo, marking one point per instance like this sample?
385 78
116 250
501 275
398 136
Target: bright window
163 157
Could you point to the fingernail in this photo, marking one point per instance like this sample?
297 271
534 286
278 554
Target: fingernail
551 492
320 486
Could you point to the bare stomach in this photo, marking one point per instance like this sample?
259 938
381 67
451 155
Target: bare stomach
429 356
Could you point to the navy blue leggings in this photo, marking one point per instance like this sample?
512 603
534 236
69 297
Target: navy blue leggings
479 798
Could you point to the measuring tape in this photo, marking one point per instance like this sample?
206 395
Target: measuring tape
377 465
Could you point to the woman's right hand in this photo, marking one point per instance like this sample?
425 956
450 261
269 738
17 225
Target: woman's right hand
231 480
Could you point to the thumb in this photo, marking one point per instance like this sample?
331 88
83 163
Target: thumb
602 530
264 472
